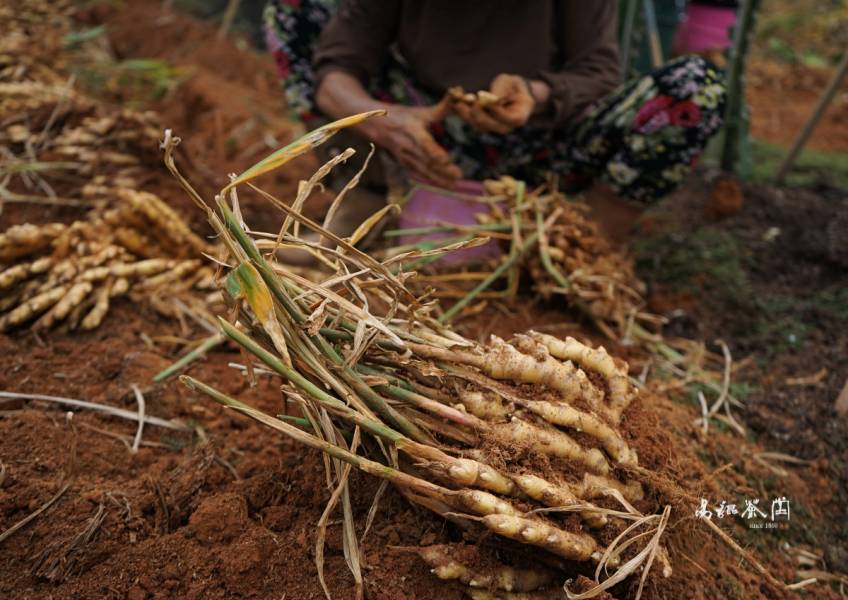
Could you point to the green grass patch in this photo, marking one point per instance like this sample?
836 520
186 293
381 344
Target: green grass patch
812 166
75 38
709 258
784 322
137 80
710 264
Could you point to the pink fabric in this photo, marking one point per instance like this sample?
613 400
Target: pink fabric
705 28
428 208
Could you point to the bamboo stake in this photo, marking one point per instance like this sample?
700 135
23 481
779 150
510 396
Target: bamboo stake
736 85
627 35
229 16
653 34
819 111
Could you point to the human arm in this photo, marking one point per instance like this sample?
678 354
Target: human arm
351 52
519 100
587 38
404 131
585 69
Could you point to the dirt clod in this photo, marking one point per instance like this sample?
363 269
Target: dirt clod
220 518
726 198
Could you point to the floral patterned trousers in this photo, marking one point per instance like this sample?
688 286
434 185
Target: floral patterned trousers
642 139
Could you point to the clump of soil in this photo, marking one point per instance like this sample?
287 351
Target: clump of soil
726 198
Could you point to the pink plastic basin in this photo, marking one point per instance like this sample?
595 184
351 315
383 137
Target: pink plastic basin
431 207
705 28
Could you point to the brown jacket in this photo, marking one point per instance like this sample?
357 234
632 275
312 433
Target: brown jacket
570 44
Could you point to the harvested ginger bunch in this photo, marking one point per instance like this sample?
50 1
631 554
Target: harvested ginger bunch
57 273
574 259
599 276
57 137
521 439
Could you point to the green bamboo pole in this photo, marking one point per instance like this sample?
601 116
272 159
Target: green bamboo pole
734 114
818 112
626 43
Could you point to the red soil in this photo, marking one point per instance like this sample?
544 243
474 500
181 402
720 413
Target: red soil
783 97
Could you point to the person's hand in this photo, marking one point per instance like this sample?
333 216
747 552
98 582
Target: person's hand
404 132
514 108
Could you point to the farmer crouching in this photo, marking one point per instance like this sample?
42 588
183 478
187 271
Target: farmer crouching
553 64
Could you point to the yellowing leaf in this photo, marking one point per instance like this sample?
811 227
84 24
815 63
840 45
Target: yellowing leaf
369 224
261 302
299 147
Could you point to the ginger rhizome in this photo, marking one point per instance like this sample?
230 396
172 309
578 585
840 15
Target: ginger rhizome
57 274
